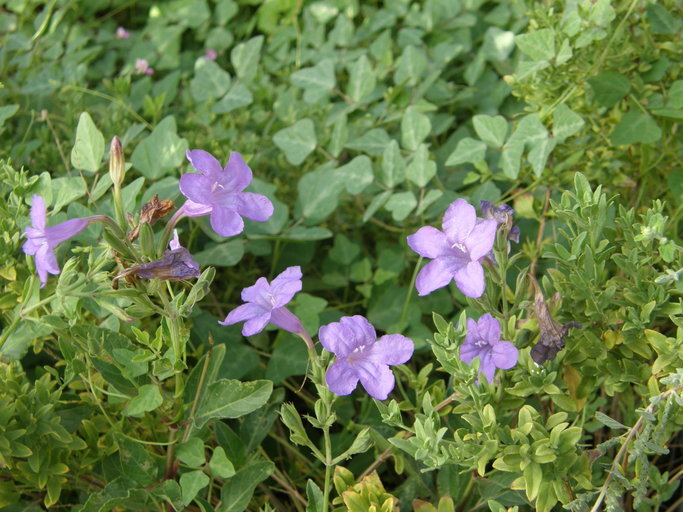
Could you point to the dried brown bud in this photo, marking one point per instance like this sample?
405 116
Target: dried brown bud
552 336
150 212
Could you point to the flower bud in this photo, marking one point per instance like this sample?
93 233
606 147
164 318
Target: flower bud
117 163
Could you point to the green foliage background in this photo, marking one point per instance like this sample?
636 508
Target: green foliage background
361 121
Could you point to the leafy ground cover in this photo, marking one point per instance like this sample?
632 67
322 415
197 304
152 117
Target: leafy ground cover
341 255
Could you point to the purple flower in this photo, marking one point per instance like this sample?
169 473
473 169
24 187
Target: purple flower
361 356
175 264
502 215
210 54
122 33
142 67
265 303
43 240
456 252
483 341
219 192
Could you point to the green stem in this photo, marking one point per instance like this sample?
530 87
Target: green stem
118 208
406 302
328 470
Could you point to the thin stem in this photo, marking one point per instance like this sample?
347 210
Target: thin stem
406 301
200 385
328 470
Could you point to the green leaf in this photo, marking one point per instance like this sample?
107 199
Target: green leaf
533 476
467 150
316 81
421 169
237 97
7 111
539 153
566 122
675 95
17 343
361 79
209 81
393 165
227 398
315 497
410 66
220 465
66 191
224 254
318 194
662 21
290 357
372 142
344 251
88 149
356 175
636 127
401 204
148 399
415 127
538 46
191 483
135 461
511 158
609 88
161 151
609 422
297 141
491 130
245 58
236 493
191 452
305 234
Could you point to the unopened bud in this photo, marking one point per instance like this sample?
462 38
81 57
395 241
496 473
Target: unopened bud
117 163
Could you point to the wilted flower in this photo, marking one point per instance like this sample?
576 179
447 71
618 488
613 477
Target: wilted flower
265 303
503 216
456 252
176 264
483 341
142 67
210 54
43 240
122 33
361 356
219 192
151 211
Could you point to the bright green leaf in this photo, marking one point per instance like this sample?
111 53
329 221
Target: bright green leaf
191 452
393 165
191 483
356 175
468 150
209 81
361 79
491 130
227 398
237 97
225 254
88 149
297 141
415 127
148 399
316 81
401 204
161 151
245 58
421 169
538 45
566 122
220 464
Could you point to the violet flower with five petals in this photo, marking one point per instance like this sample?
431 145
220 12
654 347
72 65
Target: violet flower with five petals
218 192
265 303
456 252
43 240
483 341
361 356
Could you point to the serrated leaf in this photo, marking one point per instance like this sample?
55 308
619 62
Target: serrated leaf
297 141
538 45
490 129
245 58
468 150
88 149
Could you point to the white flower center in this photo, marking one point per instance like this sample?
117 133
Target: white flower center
481 343
459 246
356 354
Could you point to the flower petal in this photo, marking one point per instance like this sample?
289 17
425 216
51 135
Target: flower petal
258 293
434 275
341 378
203 162
255 325
429 242
489 328
226 222
34 241
197 188
38 212
391 349
504 355
377 379
175 242
285 319
459 220
343 337
46 261
481 239
487 367
286 285
469 350
470 279
254 206
239 173
192 209
242 313
61 232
